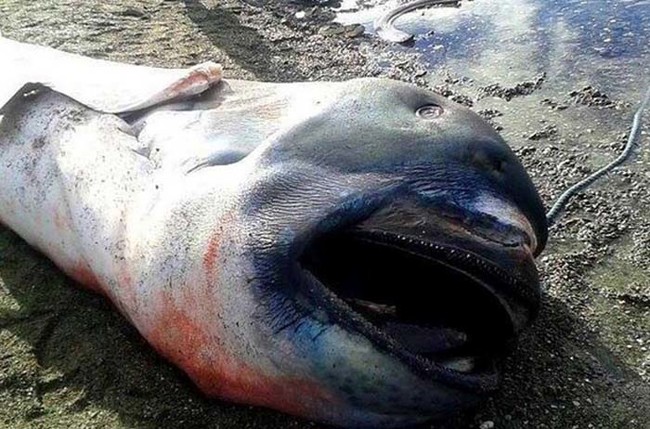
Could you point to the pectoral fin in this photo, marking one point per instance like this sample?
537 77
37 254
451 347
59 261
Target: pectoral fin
102 85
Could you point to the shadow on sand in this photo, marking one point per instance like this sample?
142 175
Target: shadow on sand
249 49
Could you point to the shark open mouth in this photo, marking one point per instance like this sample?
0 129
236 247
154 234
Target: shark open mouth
437 307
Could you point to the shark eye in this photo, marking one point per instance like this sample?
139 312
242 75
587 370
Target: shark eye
429 111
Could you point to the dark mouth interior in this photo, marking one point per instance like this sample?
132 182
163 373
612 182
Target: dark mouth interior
431 308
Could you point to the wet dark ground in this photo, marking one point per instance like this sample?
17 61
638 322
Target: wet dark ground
68 360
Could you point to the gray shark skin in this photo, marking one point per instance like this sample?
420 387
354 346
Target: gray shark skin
358 253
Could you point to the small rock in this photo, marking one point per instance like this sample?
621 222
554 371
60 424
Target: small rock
331 30
488 424
133 12
354 30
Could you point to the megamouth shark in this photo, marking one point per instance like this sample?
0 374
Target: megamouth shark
359 253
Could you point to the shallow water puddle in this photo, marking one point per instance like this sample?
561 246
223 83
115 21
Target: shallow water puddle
605 43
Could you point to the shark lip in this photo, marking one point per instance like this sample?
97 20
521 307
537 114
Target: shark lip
446 312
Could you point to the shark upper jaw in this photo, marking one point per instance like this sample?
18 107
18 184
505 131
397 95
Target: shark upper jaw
436 298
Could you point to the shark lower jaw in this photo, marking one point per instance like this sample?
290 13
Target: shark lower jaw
447 313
